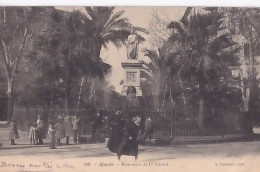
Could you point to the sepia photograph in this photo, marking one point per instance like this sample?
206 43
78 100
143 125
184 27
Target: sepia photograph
124 88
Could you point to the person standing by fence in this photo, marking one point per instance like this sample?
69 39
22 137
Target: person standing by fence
40 130
149 128
67 128
51 132
96 126
59 129
13 133
33 134
75 127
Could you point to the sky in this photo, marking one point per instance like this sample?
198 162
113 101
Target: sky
138 16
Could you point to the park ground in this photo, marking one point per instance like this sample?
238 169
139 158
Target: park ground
217 152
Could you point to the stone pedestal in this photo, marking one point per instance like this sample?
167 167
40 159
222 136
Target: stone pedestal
132 70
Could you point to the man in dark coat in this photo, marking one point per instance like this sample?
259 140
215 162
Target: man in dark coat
116 135
40 129
129 145
96 125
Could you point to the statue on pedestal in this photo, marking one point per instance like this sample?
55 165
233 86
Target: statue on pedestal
132 70
132 46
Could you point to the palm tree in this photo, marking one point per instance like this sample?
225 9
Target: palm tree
107 26
248 31
157 70
66 43
206 54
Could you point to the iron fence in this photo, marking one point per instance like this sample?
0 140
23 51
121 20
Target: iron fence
180 122
167 122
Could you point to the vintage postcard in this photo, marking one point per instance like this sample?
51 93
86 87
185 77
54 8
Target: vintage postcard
117 88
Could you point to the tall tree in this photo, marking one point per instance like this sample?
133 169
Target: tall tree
158 30
16 34
158 69
67 46
244 23
206 52
107 26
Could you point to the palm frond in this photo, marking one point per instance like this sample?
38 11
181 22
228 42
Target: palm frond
91 13
117 37
114 18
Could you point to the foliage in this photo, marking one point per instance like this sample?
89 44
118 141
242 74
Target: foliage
207 51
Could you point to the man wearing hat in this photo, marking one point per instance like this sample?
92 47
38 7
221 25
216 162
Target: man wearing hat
59 129
67 128
96 124
75 127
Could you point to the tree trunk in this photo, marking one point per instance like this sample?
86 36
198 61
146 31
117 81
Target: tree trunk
92 97
249 118
201 105
183 96
244 90
10 106
164 94
67 96
249 128
201 112
67 104
51 104
80 90
157 91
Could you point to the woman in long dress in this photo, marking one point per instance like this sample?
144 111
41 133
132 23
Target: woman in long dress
129 145
59 130
116 135
13 133
40 130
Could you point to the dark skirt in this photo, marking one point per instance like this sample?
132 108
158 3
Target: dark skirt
128 147
115 140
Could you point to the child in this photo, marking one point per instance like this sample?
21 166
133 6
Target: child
51 132
67 128
59 129
13 133
32 134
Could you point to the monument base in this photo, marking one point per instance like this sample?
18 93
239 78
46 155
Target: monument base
132 70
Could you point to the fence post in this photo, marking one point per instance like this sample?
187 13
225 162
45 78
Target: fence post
171 128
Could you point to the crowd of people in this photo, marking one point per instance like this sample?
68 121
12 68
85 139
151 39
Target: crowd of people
123 138
64 127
